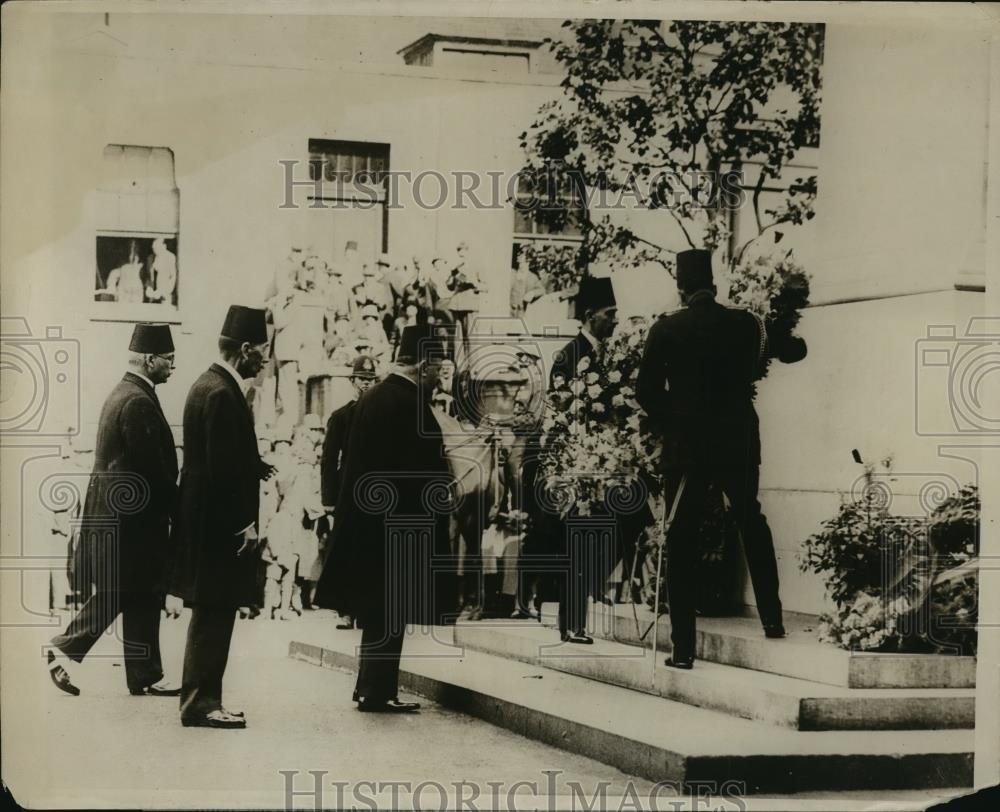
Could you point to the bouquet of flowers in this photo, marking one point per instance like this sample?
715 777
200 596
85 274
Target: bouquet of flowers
596 448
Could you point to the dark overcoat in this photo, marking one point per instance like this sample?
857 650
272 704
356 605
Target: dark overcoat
696 382
338 428
393 503
131 495
219 493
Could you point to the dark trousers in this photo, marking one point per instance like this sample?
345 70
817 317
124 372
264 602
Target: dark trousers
591 556
739 482
140 613
381 647
205 656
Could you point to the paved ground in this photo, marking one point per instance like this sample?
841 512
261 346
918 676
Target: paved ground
131 751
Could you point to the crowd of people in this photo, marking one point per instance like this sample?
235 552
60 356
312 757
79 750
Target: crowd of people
355 515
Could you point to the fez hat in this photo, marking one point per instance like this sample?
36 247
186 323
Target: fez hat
351 244
363 367
245 324
151 338
694 269
595 292
421 342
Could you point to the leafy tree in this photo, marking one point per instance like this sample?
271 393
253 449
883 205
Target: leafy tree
654 114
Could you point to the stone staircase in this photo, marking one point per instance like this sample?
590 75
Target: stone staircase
775 716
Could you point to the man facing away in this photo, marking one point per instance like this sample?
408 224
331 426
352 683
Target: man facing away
338 429
696 384
218 512
125 525
391 519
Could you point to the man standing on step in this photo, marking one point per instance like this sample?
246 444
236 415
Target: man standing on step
217 513
392 519
338 429
696 384
125 526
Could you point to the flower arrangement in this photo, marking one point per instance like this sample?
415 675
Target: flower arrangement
882 572
595 446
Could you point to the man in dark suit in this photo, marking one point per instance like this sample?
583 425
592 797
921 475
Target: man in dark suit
590 558
392 519
125 526
338 429
696 384
217 513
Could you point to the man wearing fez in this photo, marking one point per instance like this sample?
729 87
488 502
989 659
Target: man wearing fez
217 513
338 429
590 560
696 384
124 547
391 518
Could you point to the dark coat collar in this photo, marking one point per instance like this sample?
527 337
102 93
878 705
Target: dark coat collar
131 377
223 373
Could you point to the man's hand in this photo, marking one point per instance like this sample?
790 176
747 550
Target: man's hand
173 606
250 541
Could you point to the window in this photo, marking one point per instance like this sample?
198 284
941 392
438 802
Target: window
138 215
529 230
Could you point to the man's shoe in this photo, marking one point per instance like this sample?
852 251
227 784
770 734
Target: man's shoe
160 689
366 705
60 677
684 663
237 714
581 638
774 631
217 718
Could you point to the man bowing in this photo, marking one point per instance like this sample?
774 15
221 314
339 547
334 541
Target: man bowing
392 519
217 513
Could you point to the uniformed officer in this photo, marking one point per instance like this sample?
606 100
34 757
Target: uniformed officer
338 427
696 383
125 526
391 519
218 513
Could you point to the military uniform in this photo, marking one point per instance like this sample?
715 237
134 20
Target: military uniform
696 383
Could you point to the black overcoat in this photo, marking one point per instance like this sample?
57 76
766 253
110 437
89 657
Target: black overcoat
394 490
565 361
219 493
338 428
131 495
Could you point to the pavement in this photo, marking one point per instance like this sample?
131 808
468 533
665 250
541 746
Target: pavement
109 750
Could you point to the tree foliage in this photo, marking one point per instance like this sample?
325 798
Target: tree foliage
655 113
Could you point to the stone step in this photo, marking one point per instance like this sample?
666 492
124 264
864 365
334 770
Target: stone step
758 695
739 641
656 738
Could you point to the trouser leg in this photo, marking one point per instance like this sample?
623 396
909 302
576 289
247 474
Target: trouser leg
141 630
740 484
682 557
209 634
378 667
85 629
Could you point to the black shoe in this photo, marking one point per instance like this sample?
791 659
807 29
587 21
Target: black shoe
386 706
160 689
61 678
774 631
684 663
217 718
578 637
